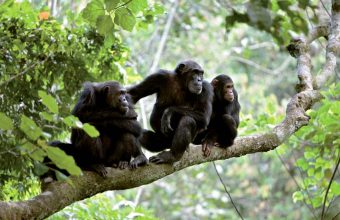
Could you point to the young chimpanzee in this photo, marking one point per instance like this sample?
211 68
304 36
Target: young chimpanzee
108 107
182 109
222 129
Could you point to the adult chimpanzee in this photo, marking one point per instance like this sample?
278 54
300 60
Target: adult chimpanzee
182 109
108 107
222 129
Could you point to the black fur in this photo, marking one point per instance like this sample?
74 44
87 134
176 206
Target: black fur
222 129
108 107
183 107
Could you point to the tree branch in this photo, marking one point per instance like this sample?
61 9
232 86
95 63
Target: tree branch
24 71
333 47
60 194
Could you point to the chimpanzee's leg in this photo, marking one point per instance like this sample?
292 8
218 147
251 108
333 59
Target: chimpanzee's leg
139 157
184 134
154 142
227 131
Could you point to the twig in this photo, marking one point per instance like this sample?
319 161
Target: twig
329 186
301 175
323 5
164 37
255 65
23 72
139 194
297 184
122 5
336 216
311 24
225 189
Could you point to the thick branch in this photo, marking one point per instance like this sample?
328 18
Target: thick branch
319 31
61 194
333 47
300 49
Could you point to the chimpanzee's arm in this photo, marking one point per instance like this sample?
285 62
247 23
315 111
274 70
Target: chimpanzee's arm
121 125
235 113
200 112
150 85
103 115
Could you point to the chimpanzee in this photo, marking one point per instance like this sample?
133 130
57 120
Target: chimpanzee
222 129
182 109
108 107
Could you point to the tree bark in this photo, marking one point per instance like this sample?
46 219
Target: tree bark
60 194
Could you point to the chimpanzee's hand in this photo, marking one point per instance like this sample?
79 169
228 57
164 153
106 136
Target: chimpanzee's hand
138 161
165 122
207 144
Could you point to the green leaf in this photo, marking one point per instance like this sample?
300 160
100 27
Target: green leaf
158 8
284 5
335 108
310 172
335 187
40 169
46 116
312 113
93 10
48 101
137 5
29 127
34 152
317 202
111 4
319 162
5 122
259 15
297 196
62 160
60 176
271 105
72 121
302 163
303 3
91 130
319 174
309 155
104 24
125 19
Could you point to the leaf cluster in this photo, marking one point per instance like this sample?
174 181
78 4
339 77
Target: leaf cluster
276 17
42 67
321 152
106 15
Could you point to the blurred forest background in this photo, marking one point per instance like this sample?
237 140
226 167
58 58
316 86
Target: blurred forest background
49 48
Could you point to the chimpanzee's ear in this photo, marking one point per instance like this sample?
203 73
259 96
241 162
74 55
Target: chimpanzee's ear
106 90
214 83
180 68
88 95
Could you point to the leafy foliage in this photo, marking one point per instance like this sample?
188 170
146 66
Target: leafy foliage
41 71
104 206
275 17
321 151
106 15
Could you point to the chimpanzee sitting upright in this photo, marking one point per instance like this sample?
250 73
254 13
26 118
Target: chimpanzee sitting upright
108 107
182 109
222 129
